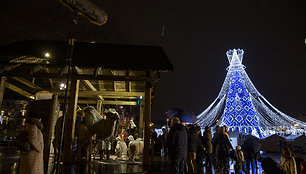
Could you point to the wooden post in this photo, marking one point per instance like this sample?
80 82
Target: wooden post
140 125
99 107
147 130
70 120
49 130
2 88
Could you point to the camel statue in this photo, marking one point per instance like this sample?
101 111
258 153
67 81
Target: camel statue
94 124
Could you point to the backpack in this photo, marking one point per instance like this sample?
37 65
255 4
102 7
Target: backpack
22 141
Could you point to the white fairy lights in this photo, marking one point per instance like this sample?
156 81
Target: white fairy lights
242 108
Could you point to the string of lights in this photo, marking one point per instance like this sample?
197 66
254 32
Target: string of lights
242 108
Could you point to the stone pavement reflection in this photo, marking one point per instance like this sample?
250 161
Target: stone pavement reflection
9 165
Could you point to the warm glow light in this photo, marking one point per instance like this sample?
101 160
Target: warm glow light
296 125
47 55
62 86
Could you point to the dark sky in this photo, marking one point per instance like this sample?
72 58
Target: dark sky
198 33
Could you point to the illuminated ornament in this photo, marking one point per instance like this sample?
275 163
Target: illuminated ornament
242 108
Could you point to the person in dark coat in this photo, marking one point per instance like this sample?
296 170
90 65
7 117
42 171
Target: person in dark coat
207 145
177 146
193 140
250 148
221 149
200 150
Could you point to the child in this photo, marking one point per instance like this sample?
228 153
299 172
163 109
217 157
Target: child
239 165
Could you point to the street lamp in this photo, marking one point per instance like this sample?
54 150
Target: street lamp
47 54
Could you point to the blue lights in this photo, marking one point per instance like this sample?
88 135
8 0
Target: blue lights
239 113
242 108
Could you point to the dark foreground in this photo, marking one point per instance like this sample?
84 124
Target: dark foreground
9 165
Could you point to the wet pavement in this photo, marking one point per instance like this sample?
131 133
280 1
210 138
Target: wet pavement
9 157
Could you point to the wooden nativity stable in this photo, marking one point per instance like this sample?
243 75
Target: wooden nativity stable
101 74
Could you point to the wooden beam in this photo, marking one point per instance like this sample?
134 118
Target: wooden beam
51 83
105 97
106 102
141 112
2 88
111 93
131 103
147 120
88 83
70 120
52 118
128 86
99 106
19 91
78 76
90 86
120 97
27 83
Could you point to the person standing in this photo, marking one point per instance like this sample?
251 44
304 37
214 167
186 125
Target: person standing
287 161
239 165
57 135
193 140
214 158
32 162
177 146
221 150
200 150
250 147
208 146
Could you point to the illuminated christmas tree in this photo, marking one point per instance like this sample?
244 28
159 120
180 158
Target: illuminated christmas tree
242 108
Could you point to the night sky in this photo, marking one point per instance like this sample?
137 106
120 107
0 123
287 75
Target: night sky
197 35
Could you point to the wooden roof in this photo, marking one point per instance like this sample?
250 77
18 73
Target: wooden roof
113 73
113 56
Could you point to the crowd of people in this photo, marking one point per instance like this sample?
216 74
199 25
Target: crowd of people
190 151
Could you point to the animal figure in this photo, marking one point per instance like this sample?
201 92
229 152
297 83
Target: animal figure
103 128
135 148
121 149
